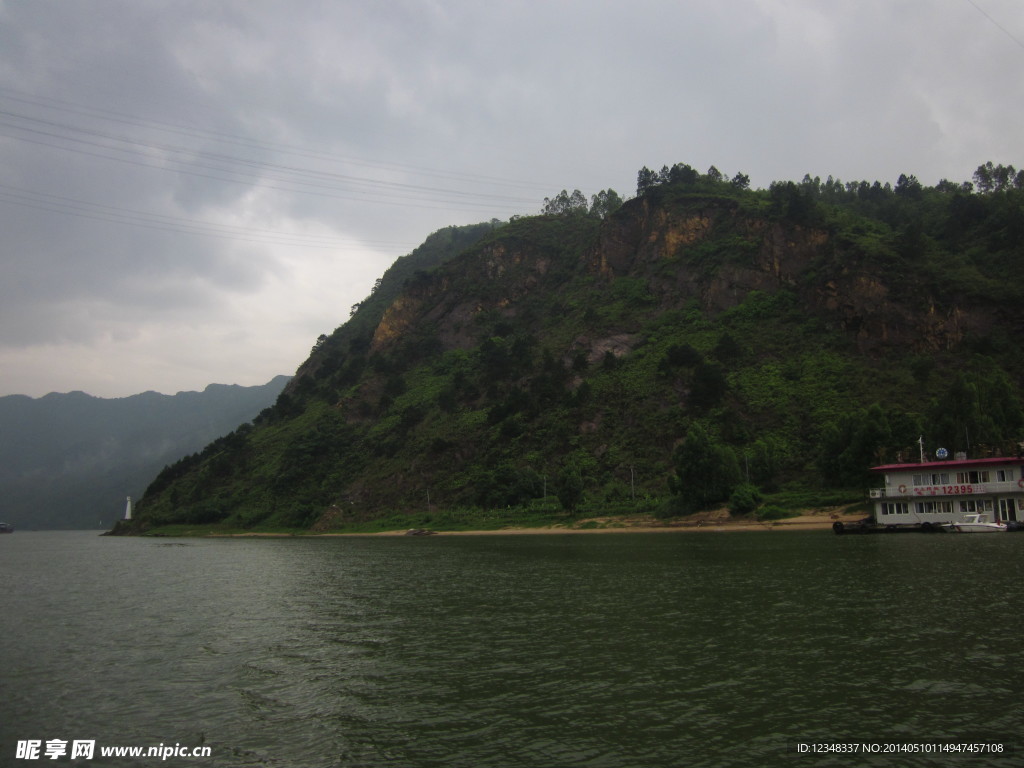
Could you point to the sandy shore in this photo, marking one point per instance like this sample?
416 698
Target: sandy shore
718 521
808 522
802 523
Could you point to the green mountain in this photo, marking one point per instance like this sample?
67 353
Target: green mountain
69 460
701 341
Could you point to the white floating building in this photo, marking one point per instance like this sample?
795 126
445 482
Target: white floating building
939 492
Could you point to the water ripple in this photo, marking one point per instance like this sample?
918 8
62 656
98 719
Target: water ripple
603 652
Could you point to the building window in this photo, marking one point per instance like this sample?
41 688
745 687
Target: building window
976 505
896 508
935 507
1005 475
973 477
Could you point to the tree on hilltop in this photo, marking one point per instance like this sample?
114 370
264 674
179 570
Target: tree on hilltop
565 203
605 203
998 178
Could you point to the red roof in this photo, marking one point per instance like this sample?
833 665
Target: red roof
949 463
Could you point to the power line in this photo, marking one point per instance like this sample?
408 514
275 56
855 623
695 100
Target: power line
251 180
216 161
195 132
114 214
1005 31
64 132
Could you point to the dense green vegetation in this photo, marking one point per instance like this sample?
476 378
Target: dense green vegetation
700 344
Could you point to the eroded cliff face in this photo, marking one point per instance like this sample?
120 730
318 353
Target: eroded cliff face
710 251
883 314
650 234
758 254
496 276
397 319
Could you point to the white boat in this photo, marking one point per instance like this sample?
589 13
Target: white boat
978 523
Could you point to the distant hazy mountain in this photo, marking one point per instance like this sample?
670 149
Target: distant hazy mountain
69 460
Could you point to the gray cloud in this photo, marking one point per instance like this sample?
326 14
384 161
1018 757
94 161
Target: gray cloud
191 192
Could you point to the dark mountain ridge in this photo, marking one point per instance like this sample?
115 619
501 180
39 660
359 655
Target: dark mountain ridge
638 359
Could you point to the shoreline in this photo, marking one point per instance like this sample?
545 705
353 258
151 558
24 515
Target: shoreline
821 521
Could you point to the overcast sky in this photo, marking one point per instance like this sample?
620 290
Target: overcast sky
192 192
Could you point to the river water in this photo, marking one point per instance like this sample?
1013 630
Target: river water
605 650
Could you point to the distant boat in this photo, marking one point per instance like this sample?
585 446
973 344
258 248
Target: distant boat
6 528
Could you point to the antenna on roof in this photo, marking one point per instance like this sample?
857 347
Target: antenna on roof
920 444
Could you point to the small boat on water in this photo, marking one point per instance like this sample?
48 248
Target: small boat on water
6 528
978 523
